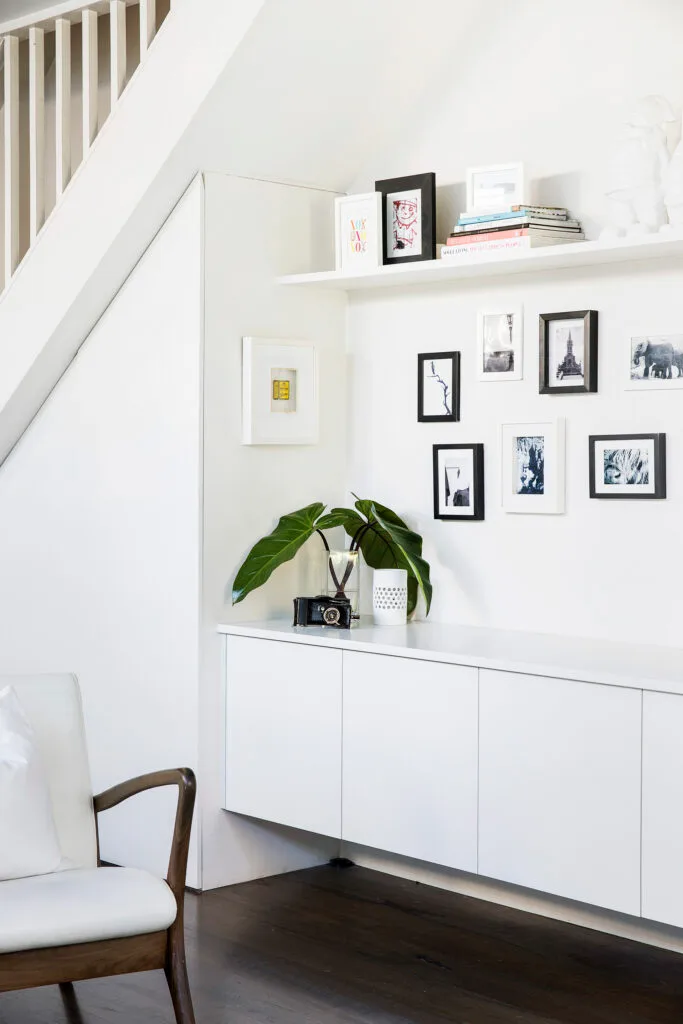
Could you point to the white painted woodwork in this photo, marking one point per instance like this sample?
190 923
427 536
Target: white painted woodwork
148 24
283 734
117 23
90 75
662 883
409 775
36 55
559 788
62 104
11 118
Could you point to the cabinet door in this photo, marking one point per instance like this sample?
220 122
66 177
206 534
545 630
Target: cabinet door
559 796
410 758
663 808
283 735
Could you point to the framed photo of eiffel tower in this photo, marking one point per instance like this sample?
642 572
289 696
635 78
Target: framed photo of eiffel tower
568 353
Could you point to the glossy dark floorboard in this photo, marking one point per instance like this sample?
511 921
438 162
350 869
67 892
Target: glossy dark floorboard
330 946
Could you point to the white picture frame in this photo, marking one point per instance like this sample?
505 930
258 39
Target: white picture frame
660 355
358 232
533 467
495 188
500 343
279 391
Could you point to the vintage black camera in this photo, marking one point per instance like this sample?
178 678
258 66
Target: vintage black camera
322 611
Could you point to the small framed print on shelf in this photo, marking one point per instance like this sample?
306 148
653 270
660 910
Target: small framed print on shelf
458 481
438 387
568 353
627 465
532 456
408 218
500 344
279 392
496 188
358 232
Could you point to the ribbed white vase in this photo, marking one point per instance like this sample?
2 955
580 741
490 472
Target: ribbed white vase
389 597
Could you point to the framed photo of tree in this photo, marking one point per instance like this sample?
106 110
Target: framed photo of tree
438 387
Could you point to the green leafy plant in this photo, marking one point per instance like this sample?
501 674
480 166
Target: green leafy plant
384 540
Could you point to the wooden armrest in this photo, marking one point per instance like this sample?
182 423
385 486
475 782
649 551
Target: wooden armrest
184 779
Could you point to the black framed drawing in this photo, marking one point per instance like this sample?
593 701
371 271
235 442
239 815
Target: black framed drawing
568 353
438 387
408 218
458 481
627 465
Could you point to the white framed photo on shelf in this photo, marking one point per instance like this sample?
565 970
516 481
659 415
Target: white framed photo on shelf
500 344
358 232
495 188
279 392
533 467
655 363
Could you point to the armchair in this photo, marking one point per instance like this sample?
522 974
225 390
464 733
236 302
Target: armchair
88 921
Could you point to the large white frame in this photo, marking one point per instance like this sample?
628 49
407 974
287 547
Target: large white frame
262 425
552 501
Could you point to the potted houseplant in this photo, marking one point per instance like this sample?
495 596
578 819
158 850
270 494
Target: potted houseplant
382 537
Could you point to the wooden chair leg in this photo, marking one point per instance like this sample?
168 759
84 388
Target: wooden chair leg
175 970
73 1011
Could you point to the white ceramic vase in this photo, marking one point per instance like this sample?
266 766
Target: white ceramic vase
389 597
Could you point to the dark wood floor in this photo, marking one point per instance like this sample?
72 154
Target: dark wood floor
328 946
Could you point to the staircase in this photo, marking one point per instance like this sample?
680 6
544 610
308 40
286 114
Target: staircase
63 72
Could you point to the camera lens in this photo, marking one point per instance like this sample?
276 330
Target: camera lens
331 616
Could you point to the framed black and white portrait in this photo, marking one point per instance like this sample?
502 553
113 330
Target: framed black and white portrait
568 353
500 344
438 387
655 362
533 470
408 218
627 465
458 481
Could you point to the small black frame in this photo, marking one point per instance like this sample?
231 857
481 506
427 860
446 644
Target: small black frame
477 482
590 342
659 465
426 184
454 415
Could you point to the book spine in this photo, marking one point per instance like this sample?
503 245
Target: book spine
483 218
521 222
462 250
487 236
524 212
559 212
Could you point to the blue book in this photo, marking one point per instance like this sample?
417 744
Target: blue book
520 211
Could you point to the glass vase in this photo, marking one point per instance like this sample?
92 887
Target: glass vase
341 576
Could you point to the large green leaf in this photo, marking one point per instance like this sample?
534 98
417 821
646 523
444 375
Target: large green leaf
345 517
409 544
379 551
280 546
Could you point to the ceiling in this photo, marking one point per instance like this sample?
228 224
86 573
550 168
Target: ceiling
10 9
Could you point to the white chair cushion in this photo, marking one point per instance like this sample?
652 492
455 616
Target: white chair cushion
83 905
28 837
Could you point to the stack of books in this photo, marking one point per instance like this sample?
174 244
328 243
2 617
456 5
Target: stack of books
519 227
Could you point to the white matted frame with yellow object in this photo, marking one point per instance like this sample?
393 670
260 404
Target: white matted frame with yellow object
279 392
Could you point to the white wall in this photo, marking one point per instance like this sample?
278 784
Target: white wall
100 534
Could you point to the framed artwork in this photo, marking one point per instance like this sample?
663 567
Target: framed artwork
358 231
500 344
279 392
408 218
438 387
655 362
533 467
627 465
458 481
495 188
568 353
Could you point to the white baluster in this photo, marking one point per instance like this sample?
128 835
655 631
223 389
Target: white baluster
117 23
63 104
89 80
11 48
36 98
148 24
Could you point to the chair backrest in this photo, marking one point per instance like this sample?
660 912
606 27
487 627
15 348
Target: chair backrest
53 707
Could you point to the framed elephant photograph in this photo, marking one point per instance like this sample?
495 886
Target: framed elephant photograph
655 362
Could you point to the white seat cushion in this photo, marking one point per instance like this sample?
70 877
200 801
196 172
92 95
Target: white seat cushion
83 905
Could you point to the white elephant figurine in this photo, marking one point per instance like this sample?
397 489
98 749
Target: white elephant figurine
673 187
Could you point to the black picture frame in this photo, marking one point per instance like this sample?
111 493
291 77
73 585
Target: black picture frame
454 415
426 185
478 506
590 361
659 466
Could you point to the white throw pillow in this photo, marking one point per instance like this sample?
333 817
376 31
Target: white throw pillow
28 837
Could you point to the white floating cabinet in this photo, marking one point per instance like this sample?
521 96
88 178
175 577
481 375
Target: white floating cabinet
409 780
559 787
283 733
663 808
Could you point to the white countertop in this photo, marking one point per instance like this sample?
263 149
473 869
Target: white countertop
641 666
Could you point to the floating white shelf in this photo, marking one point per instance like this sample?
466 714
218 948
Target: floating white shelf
667 245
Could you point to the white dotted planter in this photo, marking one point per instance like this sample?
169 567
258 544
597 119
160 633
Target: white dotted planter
389 597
